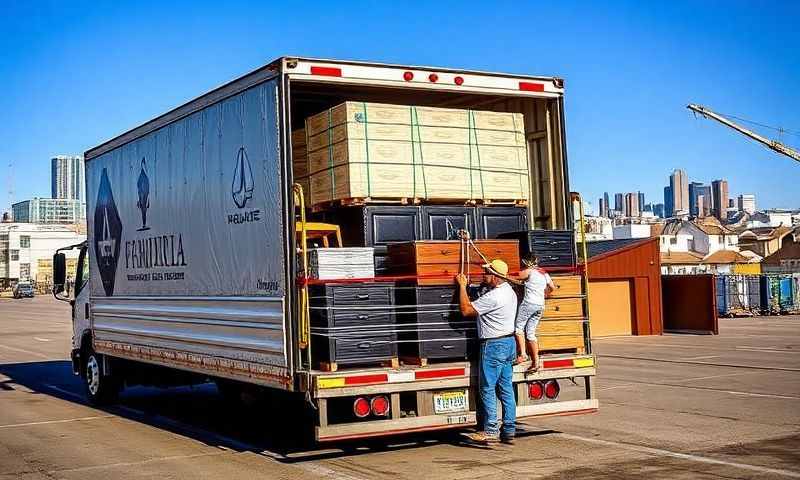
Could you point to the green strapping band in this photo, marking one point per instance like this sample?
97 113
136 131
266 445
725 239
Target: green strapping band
415 121
330 153
366 147
478 153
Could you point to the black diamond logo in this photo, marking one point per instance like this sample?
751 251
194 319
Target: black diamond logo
107 234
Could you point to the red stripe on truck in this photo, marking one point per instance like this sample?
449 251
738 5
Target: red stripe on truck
531 87
447 372
326 71
557 363
377 378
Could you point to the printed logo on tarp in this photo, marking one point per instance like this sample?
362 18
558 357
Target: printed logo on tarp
107 234
143 187
156 251
242 187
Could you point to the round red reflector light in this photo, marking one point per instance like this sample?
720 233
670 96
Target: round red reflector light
433 77
535 390
551 389
380 405
408 76
361 407
459 80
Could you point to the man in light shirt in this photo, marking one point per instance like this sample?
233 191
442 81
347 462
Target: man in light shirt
496 311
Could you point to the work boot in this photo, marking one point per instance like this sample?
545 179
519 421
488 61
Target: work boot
482 438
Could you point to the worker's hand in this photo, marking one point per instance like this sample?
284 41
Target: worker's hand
461 280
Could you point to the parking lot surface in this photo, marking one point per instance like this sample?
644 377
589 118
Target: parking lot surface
673 406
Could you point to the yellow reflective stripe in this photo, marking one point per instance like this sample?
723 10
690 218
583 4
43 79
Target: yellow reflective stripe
330 382
583 362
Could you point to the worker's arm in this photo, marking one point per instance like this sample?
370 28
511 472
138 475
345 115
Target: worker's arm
550 287
463 298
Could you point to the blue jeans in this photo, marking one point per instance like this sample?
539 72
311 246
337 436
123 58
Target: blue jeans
496 370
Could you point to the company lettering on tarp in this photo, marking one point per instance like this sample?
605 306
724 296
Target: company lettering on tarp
195 207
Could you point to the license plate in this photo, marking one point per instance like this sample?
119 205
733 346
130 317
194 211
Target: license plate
448 402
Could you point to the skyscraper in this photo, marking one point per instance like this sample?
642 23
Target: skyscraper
601 212
693 186
632 205
619 202
668 206
606 213
747 203
67 177
641 201
719 193
658 210
679 184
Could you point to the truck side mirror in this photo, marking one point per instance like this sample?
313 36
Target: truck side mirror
59 272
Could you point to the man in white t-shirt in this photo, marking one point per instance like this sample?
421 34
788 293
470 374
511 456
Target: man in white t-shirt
496 311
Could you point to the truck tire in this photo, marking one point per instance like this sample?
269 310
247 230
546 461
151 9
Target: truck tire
101 389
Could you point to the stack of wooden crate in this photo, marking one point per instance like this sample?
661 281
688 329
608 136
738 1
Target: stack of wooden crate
300 161
359 150
563 323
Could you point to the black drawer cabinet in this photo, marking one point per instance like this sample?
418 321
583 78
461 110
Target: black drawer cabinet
444 222
495 221
555 248
431 324
345 334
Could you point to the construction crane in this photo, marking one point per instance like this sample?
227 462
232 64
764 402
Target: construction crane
771 144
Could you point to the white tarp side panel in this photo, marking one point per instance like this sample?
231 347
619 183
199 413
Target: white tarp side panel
192 209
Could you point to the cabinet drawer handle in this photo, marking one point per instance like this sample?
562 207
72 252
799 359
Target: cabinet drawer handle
556 308
362 296
447 347
364 345
446 295
363 317
445 314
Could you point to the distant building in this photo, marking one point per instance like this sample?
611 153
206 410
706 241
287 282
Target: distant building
607 212
679 186
747 203
702 205
785 260
641 200
67 177
619 202
668 205
778 217
596 228
658 210
50 211
719 191
602 207
23 245
631 205
693 186
631 230
764 240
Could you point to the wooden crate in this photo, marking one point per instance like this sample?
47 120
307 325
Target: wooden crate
437 262
367 150
560 334
567 286
299 154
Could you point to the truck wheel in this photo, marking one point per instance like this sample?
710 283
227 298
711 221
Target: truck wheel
100 389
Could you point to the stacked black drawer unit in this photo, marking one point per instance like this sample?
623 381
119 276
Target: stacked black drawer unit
431 324
353 323
555 248
379 225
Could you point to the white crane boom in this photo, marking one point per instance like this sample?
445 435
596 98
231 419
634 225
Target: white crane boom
771 144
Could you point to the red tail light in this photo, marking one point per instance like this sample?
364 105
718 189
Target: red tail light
551 389
531 87
380 405
535 390
408 76
361 407
433 77
458 80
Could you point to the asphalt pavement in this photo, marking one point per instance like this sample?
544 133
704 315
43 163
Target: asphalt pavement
671 407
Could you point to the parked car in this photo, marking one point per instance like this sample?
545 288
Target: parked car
23 290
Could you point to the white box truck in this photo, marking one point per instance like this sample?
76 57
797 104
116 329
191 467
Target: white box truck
189 272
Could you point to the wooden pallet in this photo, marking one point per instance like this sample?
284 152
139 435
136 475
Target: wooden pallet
362 201
334 366
424 362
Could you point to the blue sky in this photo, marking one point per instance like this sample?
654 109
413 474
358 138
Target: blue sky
74 74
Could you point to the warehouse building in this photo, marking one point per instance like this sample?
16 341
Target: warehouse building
23 245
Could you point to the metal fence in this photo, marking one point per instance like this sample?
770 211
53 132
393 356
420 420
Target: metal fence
765 294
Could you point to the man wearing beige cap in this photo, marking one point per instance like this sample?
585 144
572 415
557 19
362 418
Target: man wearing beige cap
496 311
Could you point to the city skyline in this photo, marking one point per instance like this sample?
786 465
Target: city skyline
59 46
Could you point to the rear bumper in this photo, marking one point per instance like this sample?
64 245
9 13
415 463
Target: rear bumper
350 431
